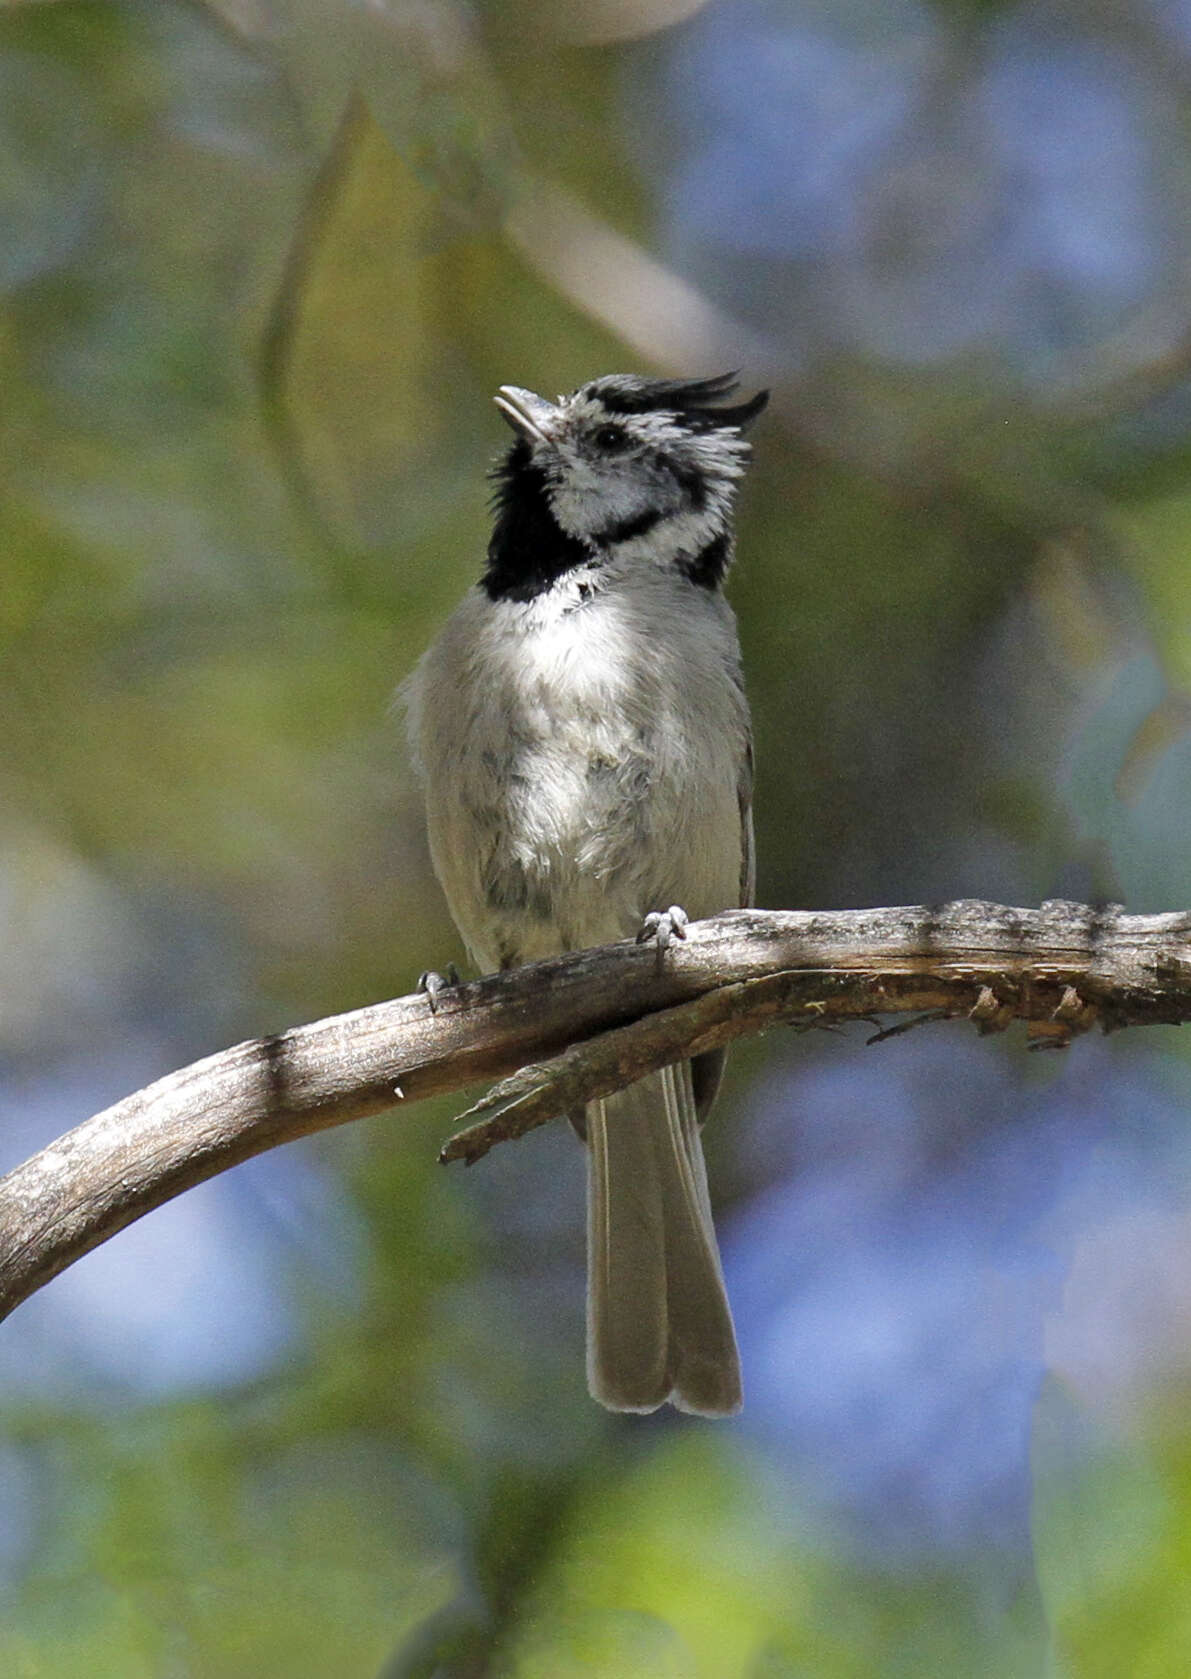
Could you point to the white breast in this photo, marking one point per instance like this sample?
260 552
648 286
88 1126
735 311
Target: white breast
583 756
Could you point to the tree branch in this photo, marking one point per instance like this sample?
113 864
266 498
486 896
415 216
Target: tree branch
580 1026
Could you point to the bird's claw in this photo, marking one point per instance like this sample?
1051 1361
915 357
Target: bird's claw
433 984
663 926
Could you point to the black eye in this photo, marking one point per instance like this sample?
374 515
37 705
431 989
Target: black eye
611 439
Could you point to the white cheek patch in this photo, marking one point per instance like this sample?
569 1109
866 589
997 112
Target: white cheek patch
589 496
627 508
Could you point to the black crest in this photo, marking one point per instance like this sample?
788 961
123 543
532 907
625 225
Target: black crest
700 404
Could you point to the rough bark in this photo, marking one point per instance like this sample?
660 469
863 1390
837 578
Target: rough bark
582 1025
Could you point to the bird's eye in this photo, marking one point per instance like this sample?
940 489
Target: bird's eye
611 438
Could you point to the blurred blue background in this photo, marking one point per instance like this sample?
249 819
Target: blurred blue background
262 265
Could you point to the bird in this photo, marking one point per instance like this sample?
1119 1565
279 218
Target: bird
583 737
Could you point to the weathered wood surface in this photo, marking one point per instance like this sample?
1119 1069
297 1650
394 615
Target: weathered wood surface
581 1025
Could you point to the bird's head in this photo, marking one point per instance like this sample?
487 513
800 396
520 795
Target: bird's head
624 466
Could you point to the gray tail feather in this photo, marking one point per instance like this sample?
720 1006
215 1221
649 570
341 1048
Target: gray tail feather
658 1322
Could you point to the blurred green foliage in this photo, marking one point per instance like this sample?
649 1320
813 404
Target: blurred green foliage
259 276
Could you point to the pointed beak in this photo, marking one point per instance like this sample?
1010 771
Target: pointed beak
526 413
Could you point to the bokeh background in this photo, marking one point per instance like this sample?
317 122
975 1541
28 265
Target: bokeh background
262 265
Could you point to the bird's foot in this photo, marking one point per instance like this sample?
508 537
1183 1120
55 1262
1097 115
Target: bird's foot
433 984
663 926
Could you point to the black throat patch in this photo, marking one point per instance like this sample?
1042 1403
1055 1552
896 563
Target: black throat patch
529 549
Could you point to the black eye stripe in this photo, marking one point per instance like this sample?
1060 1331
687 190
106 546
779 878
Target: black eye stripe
624 530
